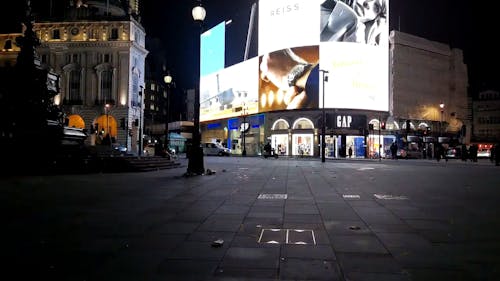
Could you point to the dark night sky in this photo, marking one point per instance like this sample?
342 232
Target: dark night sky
458 23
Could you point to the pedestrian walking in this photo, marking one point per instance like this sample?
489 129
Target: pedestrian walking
497 154
492 153
437 151
394 151
463 152
350 151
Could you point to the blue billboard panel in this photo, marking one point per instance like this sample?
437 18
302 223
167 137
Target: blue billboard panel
212 53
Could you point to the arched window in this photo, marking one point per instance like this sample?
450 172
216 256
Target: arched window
135 89
375 123
106 85
74 85
280 124
423 126
303 123
7 45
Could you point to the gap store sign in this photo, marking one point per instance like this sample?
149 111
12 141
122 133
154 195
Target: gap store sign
345 121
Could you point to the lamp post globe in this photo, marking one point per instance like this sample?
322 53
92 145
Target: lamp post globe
168 80
199 13
441 106
196 162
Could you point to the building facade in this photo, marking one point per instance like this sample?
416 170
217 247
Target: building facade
428 85
98 48
486 117
427 105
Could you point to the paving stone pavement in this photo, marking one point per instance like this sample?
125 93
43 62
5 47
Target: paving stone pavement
257 219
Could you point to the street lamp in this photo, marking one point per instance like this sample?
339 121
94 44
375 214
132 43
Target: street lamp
141 94
441 106
244 129
106 109
168 81
323 118
195 164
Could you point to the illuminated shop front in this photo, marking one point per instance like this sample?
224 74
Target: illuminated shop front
279 136
232 133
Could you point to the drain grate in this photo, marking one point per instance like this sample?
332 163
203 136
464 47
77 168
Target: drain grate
287 236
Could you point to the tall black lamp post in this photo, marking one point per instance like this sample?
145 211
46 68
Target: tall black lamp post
108 127
323 118
441 106
244 128
141 110
168 81
195 164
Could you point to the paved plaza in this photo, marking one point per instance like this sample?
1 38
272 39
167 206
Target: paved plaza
257 219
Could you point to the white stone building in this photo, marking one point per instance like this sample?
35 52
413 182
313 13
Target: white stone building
424 75
98 48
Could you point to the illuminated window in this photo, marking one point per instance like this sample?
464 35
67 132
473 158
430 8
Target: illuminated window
114 34
56 34
106 84
303 123
74 85
7 45
280 125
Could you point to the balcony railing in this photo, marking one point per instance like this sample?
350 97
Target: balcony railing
72 102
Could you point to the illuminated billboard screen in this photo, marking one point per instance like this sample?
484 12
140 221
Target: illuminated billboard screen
212 53
288 79
285 24
230 92
299 42
352 38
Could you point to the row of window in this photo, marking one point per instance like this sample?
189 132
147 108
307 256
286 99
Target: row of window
75 80
77 58
489 120
487 132
92 33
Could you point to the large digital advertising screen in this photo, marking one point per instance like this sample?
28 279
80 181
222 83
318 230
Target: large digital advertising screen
230 92
212 49
302 41
286 24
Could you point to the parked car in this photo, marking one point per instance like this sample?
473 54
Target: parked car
149 150
212 148
120 148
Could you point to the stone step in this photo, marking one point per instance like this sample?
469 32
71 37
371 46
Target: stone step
137 164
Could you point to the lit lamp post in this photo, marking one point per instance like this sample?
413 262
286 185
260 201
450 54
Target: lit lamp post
108 131
323 119
244 129
441 106
195 164
168 81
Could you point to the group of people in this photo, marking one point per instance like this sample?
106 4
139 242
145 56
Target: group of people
495 154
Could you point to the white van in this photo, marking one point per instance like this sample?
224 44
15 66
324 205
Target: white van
210 148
